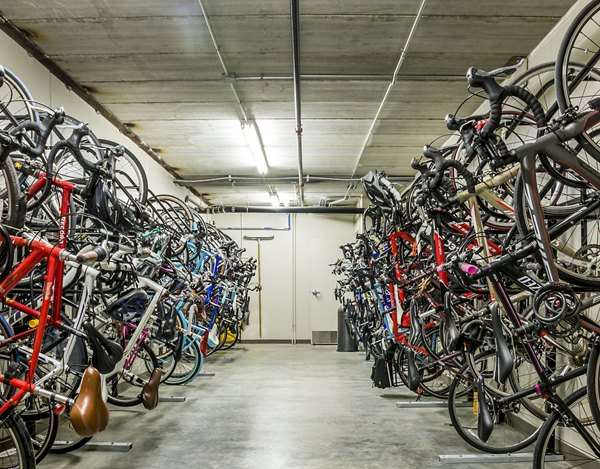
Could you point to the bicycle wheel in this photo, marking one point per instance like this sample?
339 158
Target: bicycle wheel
577 250
129 175
175 217
125 387
164 353
16 102
435 381
560 437
41 423
577 86
232 336
12 201
17 450
593 383
511 431
189 366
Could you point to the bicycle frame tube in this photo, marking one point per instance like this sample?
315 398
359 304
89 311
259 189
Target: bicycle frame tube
551 146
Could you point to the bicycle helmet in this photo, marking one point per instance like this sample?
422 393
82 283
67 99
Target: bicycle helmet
375 192
129 306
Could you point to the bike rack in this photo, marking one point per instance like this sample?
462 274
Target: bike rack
494 458
428 404
233 349
103 446
171 399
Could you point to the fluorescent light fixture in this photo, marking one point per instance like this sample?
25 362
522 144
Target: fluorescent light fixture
274 200
252 136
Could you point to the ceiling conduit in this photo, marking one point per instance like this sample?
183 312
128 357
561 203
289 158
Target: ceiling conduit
295 17
230 178
390 86
314 210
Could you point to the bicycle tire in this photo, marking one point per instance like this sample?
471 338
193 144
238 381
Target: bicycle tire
565 259
115 395
593 383
465 420
175 217
192 351
401 366
13 211
16 102
13 432
138 186
42 436
567 55
550 441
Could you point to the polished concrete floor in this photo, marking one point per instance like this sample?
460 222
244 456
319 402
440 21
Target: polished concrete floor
278 407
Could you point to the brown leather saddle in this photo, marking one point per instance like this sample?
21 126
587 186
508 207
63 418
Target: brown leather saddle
89 414
150 390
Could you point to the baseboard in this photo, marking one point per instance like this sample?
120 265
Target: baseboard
273 341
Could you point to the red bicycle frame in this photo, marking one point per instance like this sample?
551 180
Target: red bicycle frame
52 290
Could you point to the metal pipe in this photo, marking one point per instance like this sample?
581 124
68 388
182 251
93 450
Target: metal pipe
351 187
390 86
313 210
191 182
263 228
295 18
344 77
222 61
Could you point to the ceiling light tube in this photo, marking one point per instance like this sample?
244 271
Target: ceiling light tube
252 136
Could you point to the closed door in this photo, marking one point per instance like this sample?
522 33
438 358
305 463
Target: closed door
323 305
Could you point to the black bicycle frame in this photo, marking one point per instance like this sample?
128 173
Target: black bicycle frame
551 146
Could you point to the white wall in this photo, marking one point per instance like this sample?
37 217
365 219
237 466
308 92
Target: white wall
47 89
293 264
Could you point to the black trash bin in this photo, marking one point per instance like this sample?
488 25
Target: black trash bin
346 341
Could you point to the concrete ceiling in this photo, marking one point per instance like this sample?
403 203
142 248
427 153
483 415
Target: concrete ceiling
154 65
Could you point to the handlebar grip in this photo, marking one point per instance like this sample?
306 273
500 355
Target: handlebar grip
493 121
532 102
97 253
74 142
42 129
460 168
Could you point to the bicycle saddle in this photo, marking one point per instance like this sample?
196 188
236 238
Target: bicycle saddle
150 390
2 74
106 353
89 414
414 378
167 329
453 336
504 362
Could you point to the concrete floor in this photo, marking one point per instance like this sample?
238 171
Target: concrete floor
278 407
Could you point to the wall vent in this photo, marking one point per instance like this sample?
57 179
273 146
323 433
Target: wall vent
324 337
